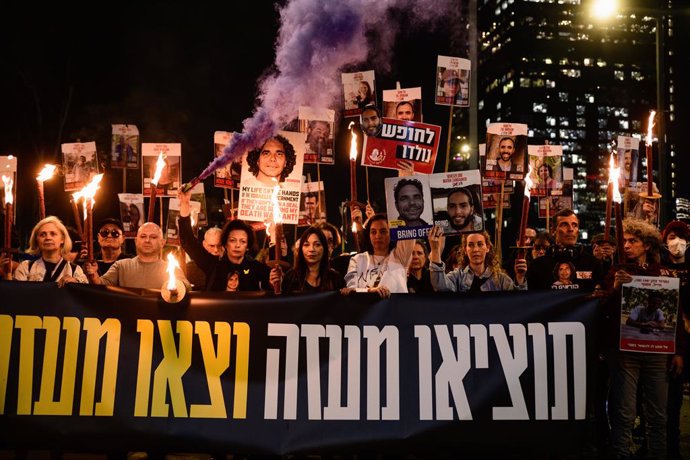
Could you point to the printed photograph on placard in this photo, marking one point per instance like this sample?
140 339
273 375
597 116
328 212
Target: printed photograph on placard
229 175
545 162
318 126
80 163
131 212
359 90
409 206
170 167
649 313
638 207
198 195
172 228
457 201
312 204
277 163
628 155
453 81
403 104
557 203
506 152
124 149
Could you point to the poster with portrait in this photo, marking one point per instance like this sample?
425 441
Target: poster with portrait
453 81
278 162
457 201
170 178
172 228
555 203
229 175
198 195
124 147
318 128
8 167
131 212
493 188
312 209
403 104
80 164
638 207
649 313
506 152
409 206
359 91
545 164
398 140
628 154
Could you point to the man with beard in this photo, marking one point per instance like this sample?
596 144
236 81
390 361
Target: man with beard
404 111
409 201
460 208
371 121
318 133
506 149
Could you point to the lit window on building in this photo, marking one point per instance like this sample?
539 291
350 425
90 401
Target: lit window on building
624 124
580 122
580 109
538 107
507 87
602 123
550 83
480 105
619 75
636 75
563 121
548 61
563 97
571 73
525 82
499 105
538 83
591 99
601 63
551 121
588 62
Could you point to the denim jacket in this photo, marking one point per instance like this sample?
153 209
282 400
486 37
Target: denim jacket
460 280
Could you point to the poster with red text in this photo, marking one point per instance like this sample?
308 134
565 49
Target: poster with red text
402 140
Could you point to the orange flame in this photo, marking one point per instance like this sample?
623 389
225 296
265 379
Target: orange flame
172 265
88 192
353 143
160 164
528 182
614 176
650 125
46 173
9 182
354 227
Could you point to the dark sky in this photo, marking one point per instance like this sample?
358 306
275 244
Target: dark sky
177 71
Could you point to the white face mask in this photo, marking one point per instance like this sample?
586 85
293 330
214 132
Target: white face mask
676 246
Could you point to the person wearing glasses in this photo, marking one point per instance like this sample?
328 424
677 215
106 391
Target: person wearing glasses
111 240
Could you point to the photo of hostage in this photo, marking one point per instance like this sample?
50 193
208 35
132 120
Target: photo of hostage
318 137
272 163
648 317
404 111
563 274
409 202
462 212
370 121
506 149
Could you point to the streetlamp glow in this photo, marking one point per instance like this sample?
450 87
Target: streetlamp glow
604 9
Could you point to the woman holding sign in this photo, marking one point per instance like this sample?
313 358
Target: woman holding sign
382 267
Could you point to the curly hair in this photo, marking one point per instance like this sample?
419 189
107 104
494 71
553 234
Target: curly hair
648 234
290 157
33 240
491 261
404 182
238 225
557 269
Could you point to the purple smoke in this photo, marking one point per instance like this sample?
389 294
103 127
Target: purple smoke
317 38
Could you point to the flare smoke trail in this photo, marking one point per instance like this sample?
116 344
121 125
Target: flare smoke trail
317 38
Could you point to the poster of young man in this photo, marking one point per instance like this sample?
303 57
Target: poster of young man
628 153
453 81
312 204
359 90
131 212
558 202
80 163
402 140
637 207
409 207
457 201
649 311
277 163
318 126
169 181
229 175
172 229
403 104
124 151
546 164
506 151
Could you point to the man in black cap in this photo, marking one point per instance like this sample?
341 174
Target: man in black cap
111 239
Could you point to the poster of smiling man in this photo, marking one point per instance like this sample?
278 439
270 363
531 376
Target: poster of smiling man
409 206
403 104
545 162
457 201
506 151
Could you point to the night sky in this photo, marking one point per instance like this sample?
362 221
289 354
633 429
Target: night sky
177 71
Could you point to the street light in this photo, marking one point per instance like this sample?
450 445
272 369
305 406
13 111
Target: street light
604 9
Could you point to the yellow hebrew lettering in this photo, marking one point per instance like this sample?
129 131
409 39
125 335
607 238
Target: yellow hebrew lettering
239 409
95 330
27 326
171 369
141 402
6 325
215 363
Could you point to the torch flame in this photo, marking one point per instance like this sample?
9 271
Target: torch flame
354 227
160 164
528 182
88 192
172 265
191 218
9 182
614 176
277 215
353 143
46 173
650 125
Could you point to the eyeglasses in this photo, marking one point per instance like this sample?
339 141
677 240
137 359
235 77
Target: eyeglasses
111 233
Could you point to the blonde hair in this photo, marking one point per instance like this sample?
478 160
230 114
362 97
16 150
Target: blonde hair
490 261
33 241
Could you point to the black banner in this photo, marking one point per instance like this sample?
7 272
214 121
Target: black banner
92 368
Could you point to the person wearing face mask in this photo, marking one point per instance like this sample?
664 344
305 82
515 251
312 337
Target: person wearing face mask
675 239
